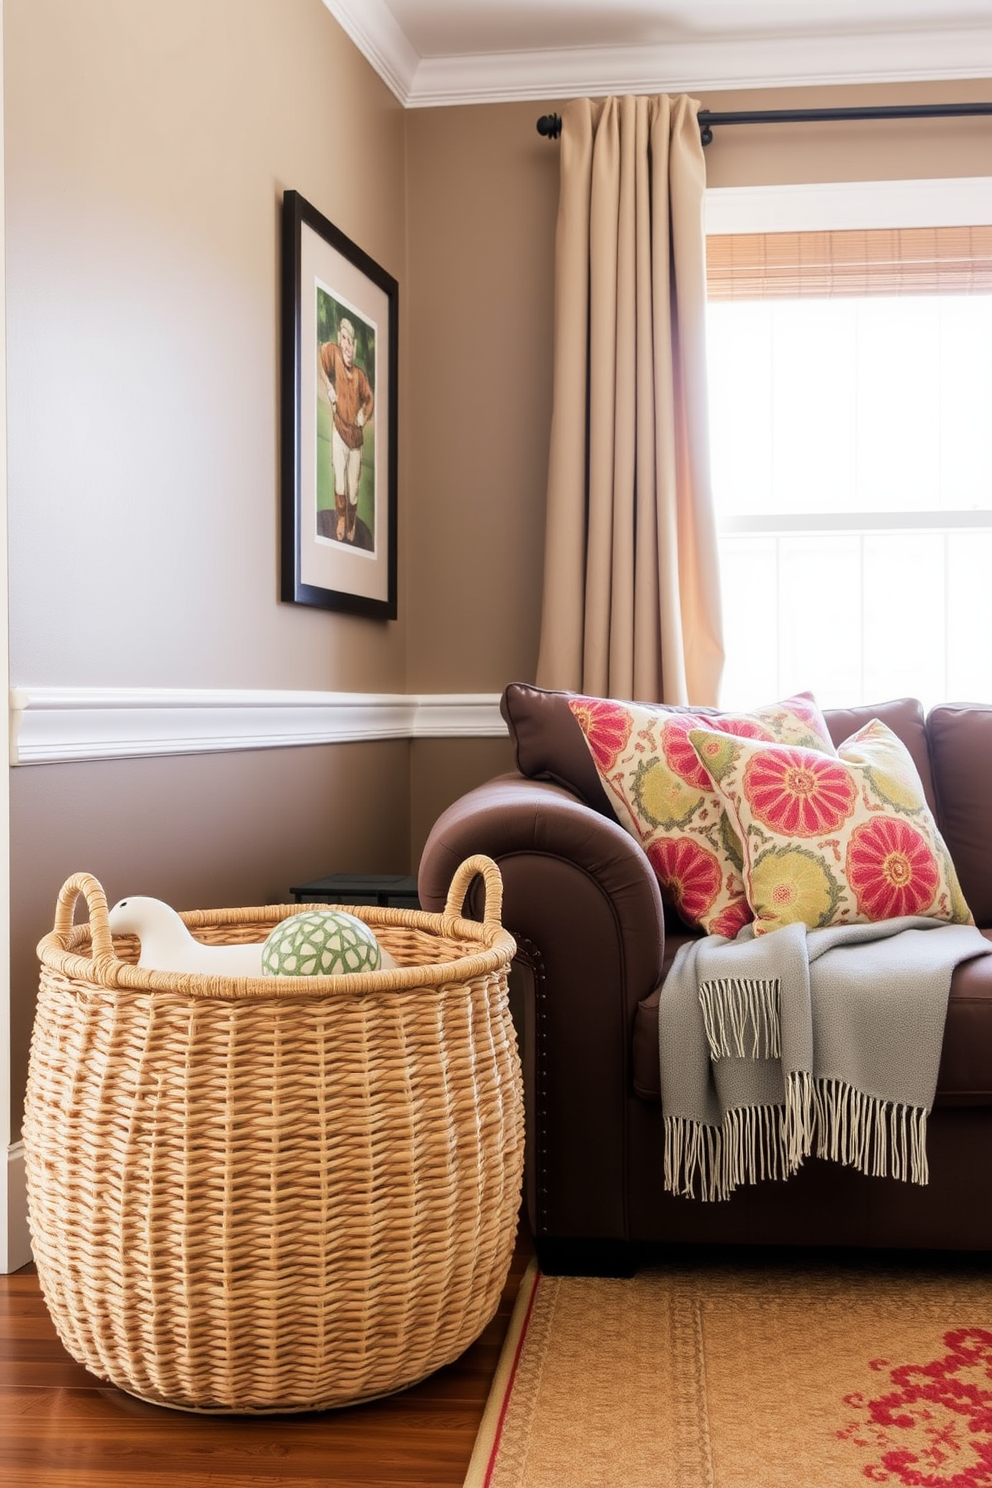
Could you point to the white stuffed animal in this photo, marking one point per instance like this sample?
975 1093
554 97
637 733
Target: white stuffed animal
166 944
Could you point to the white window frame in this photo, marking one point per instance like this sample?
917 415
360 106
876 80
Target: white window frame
833 206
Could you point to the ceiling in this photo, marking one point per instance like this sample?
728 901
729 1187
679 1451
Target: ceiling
433 52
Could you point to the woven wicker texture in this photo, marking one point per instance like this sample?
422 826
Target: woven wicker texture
274 1194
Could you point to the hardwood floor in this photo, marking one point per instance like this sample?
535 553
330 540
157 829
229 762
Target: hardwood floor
62 1428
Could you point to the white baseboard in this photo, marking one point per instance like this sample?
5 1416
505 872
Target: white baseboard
15 1250
54 725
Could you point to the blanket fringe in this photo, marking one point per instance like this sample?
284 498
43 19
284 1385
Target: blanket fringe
878 1137
800 1118
742 1017
750 1145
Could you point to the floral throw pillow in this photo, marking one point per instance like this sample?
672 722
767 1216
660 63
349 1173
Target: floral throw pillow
665 798
848 840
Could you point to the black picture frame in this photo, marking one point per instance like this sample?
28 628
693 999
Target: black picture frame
339 460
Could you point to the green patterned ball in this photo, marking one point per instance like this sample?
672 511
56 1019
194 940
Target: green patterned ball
320 942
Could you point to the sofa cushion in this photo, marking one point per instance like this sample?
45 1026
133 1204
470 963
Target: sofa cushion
965 1077
961 749
548 743
666 800
832 841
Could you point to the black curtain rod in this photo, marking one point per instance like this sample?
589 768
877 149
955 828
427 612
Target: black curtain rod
550 124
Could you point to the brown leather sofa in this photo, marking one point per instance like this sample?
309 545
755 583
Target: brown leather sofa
593 948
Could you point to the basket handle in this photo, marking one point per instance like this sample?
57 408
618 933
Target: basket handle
102 941
462 881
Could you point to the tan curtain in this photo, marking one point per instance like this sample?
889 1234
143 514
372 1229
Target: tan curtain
631 590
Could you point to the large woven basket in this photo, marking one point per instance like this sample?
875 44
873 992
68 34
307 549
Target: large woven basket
274 1194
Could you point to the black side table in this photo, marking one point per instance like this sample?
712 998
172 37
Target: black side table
359 888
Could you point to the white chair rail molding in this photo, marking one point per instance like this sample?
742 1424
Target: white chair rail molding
52 725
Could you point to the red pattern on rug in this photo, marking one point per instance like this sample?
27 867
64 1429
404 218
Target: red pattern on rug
934 1429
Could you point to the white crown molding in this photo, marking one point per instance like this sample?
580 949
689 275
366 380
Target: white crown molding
833 206
691 67
380 39
777 62
56 725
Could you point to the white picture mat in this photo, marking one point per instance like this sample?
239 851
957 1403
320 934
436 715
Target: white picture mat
332 565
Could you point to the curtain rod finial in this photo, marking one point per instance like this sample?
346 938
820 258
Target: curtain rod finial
549 125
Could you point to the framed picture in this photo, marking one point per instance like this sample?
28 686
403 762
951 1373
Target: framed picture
339 384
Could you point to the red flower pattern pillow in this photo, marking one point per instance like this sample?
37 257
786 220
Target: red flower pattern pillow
837 841
662 794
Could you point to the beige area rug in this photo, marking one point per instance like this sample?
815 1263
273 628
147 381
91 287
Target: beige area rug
796 1374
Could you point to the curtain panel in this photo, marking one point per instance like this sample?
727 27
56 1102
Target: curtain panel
631 588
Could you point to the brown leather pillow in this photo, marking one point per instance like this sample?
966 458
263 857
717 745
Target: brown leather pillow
550 745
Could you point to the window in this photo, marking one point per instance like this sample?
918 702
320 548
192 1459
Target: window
851 383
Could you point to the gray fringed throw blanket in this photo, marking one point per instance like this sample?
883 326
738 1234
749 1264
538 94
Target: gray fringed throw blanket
771 1044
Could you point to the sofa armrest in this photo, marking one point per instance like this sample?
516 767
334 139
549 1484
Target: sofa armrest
583 903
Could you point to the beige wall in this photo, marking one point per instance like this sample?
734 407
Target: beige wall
441 770
147 150
482 191
482 198
766 154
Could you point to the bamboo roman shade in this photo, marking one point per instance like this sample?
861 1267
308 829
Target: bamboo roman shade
882 261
